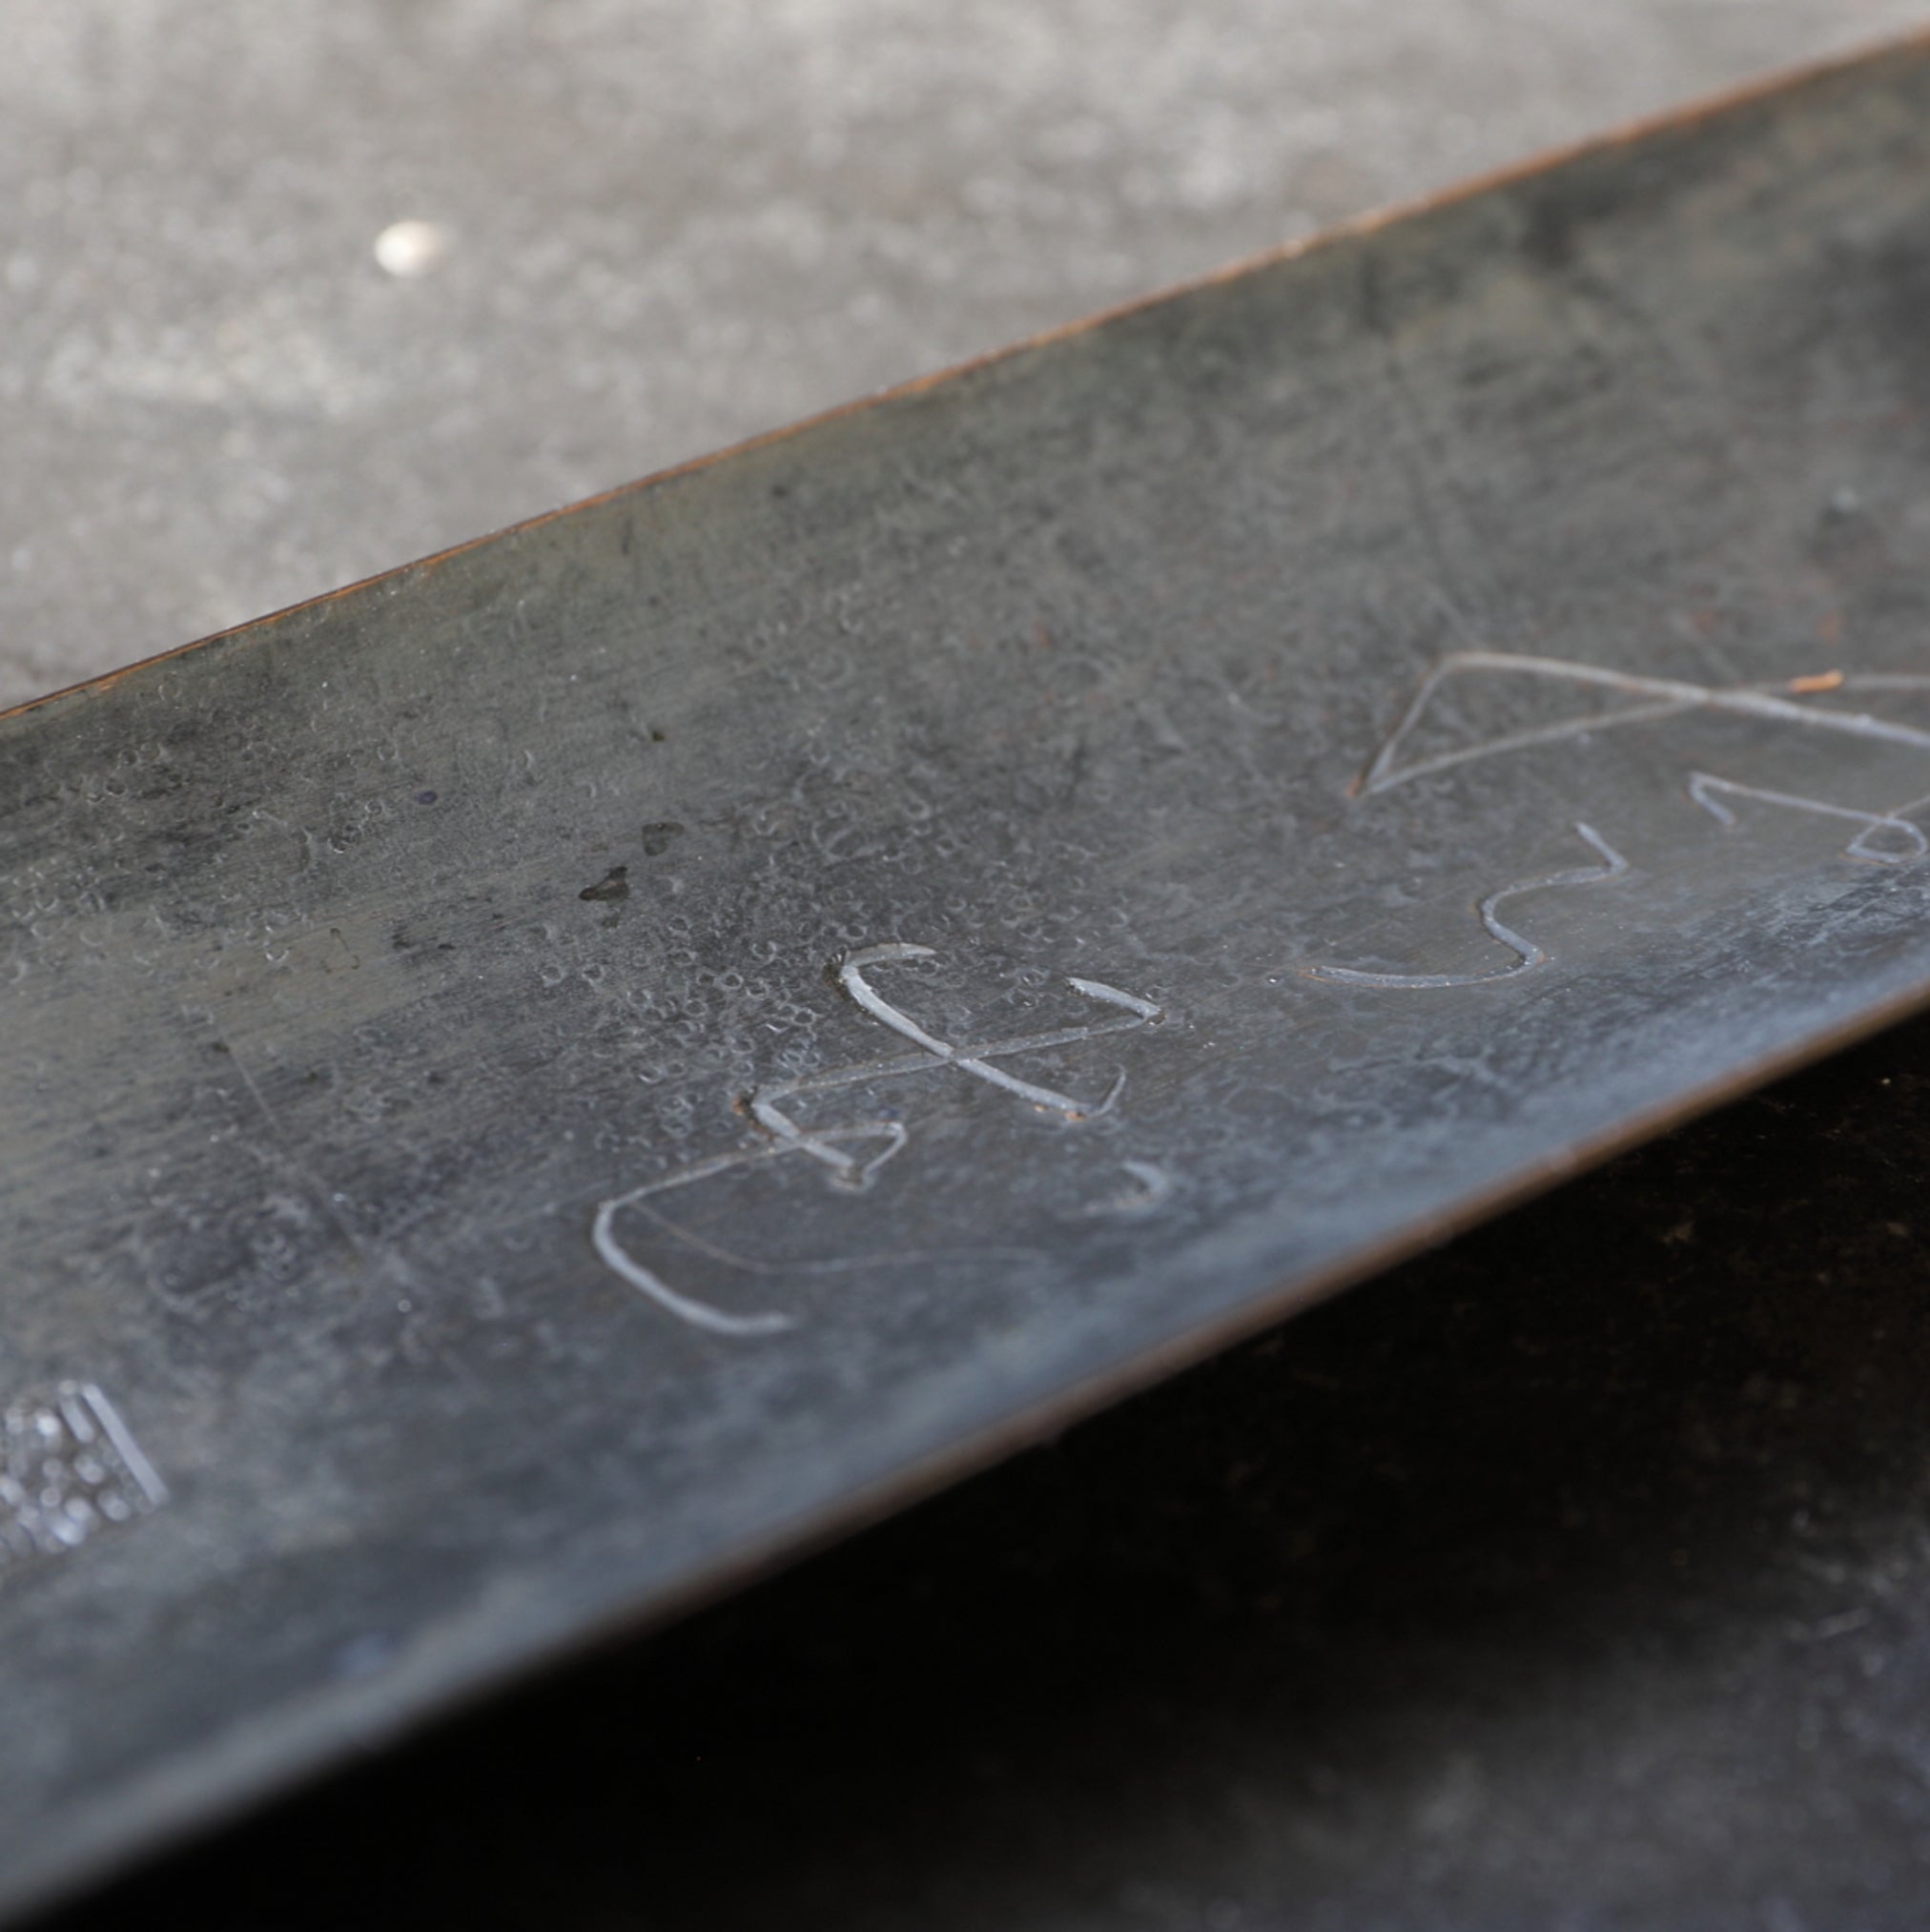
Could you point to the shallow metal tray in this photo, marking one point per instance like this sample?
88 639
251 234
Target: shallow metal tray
540 1084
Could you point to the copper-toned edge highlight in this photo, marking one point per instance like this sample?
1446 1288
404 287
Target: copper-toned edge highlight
1690 115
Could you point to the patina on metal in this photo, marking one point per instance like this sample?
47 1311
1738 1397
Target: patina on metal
546 1080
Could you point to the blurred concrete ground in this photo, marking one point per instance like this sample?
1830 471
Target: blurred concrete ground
663 225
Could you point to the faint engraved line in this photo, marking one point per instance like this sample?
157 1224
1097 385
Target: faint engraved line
1707 789
1668 697
843 1264
144 1473
829 1147
1529 955
1152 1187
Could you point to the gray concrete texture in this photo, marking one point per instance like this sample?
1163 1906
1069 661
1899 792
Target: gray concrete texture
654 227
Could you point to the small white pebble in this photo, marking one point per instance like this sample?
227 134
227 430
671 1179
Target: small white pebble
407 249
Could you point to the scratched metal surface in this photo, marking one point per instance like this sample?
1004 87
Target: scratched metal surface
542 1079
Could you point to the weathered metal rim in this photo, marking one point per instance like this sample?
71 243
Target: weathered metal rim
1627 133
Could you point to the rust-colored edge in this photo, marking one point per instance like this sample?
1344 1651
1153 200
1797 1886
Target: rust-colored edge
1692 114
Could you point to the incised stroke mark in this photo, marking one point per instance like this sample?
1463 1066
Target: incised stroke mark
1888 837
1659 698
853 1152
1528 955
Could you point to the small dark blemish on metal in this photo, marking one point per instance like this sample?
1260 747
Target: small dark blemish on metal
614 884
425 798
657 837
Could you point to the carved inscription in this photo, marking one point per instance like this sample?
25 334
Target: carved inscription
1528 955
68 1470
1887 837
1650 698
850 1153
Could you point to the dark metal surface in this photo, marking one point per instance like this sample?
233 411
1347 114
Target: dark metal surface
544 1079
1574 1575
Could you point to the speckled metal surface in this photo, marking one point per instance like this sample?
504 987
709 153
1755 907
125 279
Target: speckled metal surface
1573 1576
557 1073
